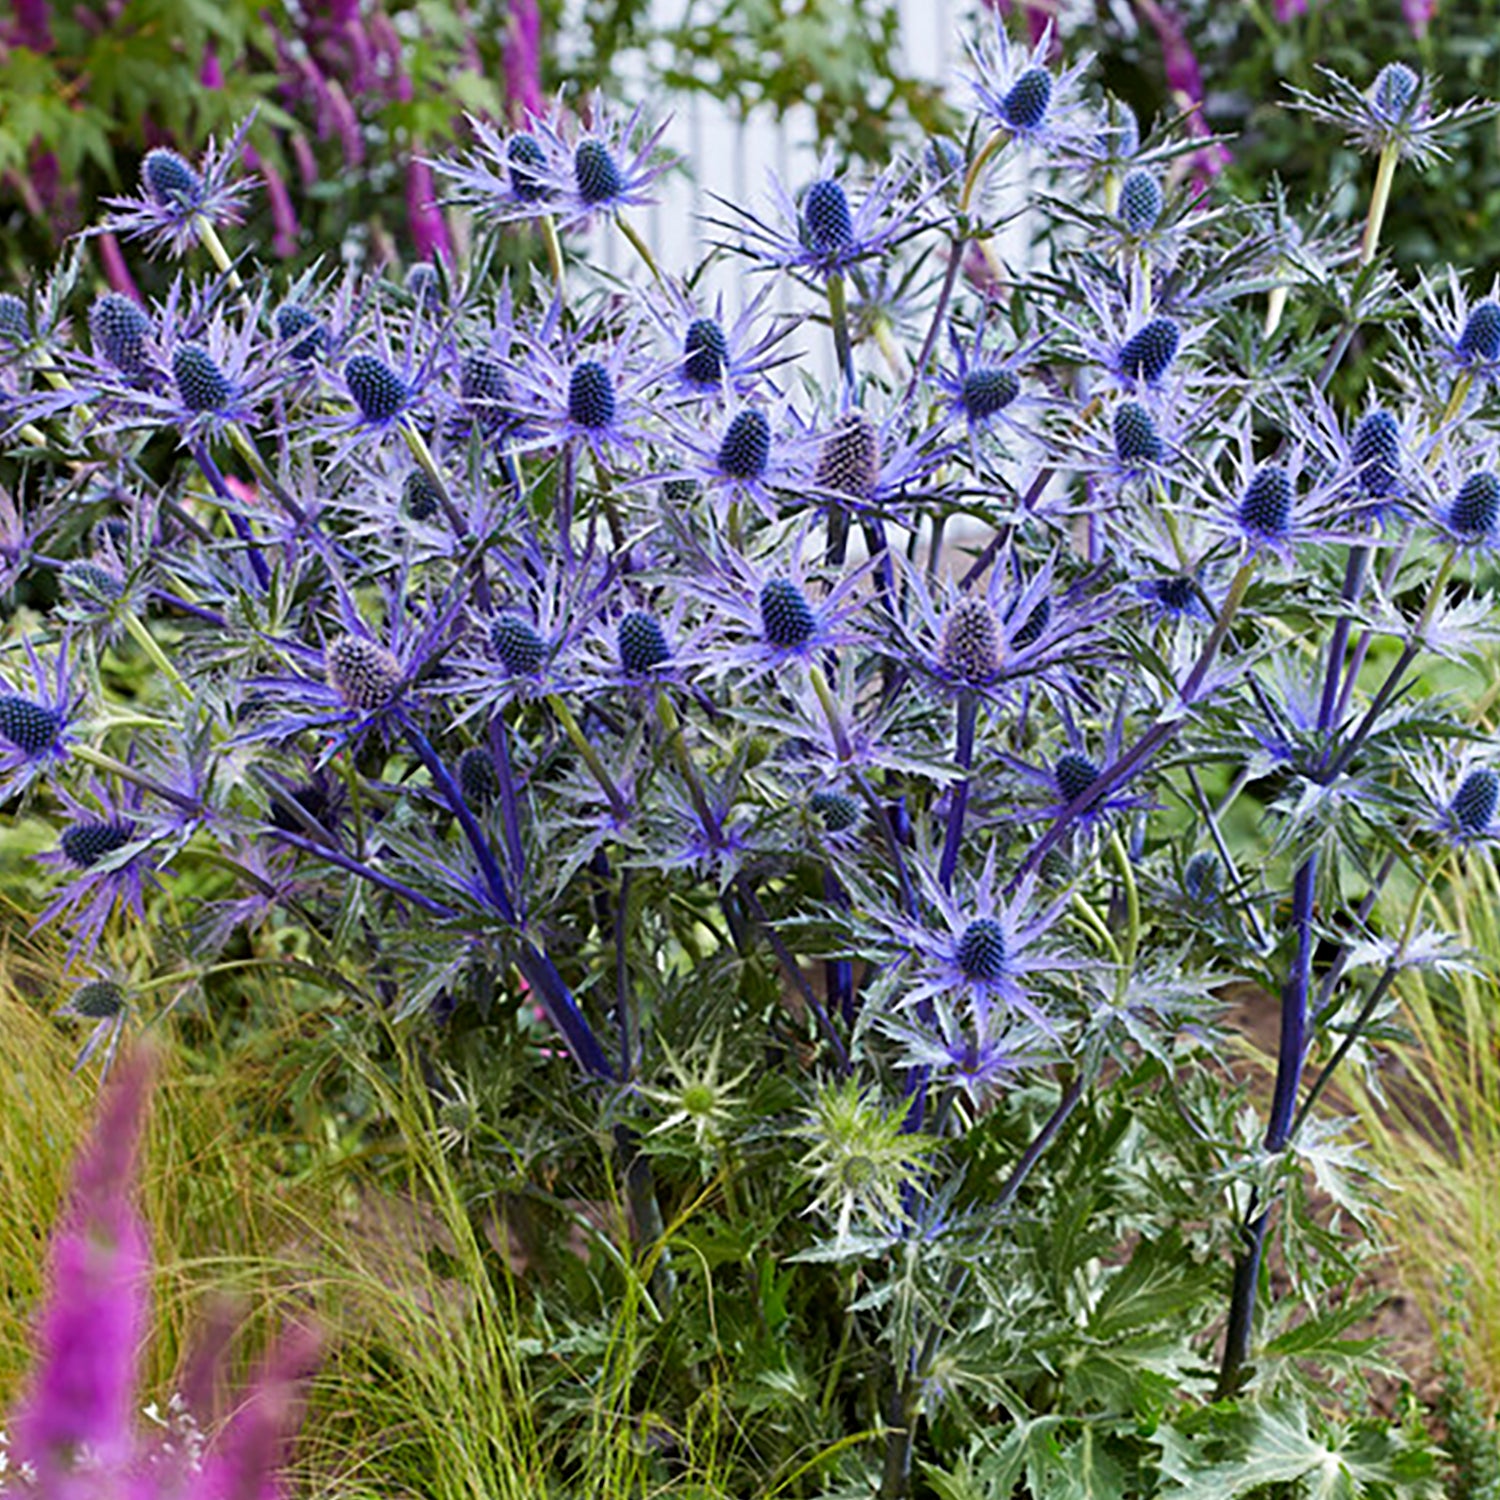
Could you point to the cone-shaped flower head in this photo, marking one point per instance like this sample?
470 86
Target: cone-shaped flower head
515 642
988 389
849 462
1480 338
85 844
362 672
119 330
32 728
378 391
1140 201
1475 801
15 321
1266 509
1075 773
419 496
642 642
1136 438
477 779
970 646
596 172
1148 353
200 382
591 395
838 811
527 162
1376 451
787 618
299 328
1475 511
827 223
169 180
746 448
705 352
981 950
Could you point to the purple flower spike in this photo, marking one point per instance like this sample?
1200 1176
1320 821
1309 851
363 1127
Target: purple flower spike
81 1404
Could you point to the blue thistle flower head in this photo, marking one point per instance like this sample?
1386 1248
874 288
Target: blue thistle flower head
987 390
1025 104
120 329
1395 92
1148 353
169 180
301 330
1266 508
364 674
86 844
526 164
517 646
1018 92
642 643
787 619
1479 340
425 286
981 951
1376 452
705 352
15 320
34 729
419 496
1137 442
1075 773
596 172
1140 201
1475 802
34 720
746 447
837 811
591 395
827 224
831 228
1474 513
970 647
379 392
478 780
200 382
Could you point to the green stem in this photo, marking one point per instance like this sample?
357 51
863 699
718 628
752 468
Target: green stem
838 317
591 757
1380 199
1132 910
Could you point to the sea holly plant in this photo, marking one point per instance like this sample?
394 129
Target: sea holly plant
850 797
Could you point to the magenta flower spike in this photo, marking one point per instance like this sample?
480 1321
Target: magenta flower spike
78 1415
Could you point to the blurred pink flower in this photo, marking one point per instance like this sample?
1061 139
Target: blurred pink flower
1418 15
429 230
1289 10
523 68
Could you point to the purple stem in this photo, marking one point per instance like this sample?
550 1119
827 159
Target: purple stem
211 472
1354 578
968 719
364 871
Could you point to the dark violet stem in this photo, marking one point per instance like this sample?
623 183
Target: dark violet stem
184 606
1354 579
1367 635
204 460
510 812
1293 1050
968 719
838 973
882 816
489 867
622 978
565 485
356 867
